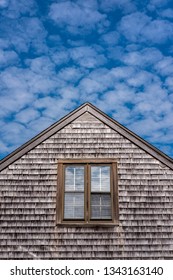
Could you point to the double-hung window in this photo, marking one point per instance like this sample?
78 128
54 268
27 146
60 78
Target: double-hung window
87 192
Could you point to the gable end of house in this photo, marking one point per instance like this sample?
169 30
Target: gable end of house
94 111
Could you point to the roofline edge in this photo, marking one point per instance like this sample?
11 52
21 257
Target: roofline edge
86 107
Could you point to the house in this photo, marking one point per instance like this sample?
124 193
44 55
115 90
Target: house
86 188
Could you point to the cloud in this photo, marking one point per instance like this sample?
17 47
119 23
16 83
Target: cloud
126 6
157 4
49 105
154 131
3 148
165 66
89 57
26 80
16 8
27 115
153 110
138 27
132 26
114 53
125 115
71 74
143 58
169 84
110 38
135 97
39 125
122 72
41 65
14 134
24 34
16 131
8 58
107 88
89 86
4 3
159 31
69 95
167 13
21 86
146 127
141 79
117 98
102 81
60 57
77 17
54 40
13 101
15 93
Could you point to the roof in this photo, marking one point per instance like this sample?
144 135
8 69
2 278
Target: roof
86 107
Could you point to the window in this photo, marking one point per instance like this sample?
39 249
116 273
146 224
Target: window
87 192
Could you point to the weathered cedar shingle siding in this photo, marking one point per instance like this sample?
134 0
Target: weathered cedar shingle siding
28 189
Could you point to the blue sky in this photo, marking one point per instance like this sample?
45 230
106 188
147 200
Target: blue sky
56 55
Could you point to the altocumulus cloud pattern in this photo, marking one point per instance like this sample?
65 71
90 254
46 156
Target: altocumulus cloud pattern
55 55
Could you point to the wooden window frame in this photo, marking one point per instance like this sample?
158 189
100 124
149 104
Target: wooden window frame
87 163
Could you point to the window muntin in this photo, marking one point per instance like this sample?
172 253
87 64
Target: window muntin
101 206
87 192
74 178
74 206
100 192
100 178
74 192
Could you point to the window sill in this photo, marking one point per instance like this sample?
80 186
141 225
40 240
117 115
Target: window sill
91 224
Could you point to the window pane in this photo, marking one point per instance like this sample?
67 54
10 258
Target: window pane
74 206
100 178
74 178
100 206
